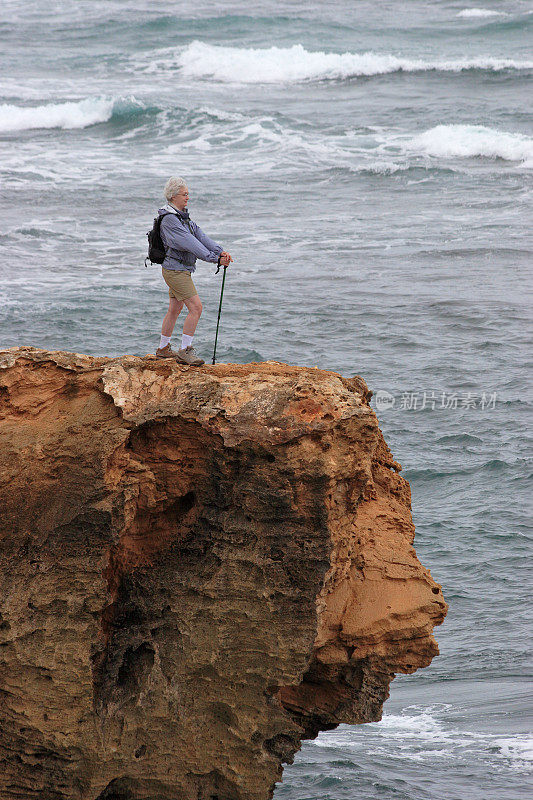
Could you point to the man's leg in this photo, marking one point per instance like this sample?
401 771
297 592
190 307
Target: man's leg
174 308
194 304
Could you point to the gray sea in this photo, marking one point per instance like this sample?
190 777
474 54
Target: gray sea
368 165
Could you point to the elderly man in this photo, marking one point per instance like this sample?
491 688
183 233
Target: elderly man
184 242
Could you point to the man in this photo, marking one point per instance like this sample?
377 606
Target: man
184 242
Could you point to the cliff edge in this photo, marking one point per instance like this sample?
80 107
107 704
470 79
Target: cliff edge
199 567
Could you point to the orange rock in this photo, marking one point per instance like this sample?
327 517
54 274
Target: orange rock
199 568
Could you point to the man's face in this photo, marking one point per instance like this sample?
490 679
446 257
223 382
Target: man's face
180 200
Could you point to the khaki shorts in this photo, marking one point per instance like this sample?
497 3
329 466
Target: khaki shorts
179 284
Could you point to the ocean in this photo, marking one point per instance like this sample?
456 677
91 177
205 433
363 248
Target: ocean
368 166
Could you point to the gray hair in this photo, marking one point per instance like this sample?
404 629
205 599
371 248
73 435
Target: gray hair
173 186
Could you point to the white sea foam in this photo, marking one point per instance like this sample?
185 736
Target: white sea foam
425 726
268 136
221 114
470 141
426 734
200 60
472 13
59 115
517 748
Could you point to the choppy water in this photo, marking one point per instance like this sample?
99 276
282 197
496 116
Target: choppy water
368 165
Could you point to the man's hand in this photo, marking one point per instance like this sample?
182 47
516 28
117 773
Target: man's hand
225 258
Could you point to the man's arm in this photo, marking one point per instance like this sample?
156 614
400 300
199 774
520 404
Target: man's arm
178 237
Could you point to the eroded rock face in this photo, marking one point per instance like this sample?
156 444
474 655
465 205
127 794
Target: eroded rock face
199 567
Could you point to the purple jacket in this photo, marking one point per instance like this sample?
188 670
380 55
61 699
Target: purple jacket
185 241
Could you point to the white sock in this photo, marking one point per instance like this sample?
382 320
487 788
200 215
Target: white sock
164 341
186 340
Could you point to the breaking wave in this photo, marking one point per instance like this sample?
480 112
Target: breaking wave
476 13
77 114
279 140
470 141
296 64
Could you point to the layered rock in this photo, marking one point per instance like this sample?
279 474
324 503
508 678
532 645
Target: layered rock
199 567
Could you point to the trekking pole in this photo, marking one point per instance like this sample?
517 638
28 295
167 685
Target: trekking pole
219 306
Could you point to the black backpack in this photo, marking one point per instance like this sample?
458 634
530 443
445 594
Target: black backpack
156 248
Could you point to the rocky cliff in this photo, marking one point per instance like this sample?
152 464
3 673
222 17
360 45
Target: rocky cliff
199 567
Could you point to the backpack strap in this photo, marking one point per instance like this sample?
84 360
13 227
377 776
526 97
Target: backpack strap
188 221
159 219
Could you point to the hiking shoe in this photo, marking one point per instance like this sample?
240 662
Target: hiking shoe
188 356
165 352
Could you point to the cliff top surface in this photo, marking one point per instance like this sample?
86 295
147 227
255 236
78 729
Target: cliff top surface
146 387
